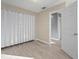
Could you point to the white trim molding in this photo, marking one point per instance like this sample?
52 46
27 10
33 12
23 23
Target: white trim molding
43 41
49 43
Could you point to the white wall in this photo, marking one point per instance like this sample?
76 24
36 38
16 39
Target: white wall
42 22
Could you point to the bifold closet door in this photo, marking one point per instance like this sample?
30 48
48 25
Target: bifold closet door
16 27
29 27
2 29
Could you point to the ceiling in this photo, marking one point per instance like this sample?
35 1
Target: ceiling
33 5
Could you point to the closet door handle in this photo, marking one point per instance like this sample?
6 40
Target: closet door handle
75 34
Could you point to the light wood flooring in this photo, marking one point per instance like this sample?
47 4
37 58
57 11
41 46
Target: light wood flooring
37 50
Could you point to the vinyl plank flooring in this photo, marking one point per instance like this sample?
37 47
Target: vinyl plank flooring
37 50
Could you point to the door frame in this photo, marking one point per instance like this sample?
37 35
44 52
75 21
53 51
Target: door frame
57 11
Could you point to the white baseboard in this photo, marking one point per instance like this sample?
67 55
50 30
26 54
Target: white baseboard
43 41
49 43
54 38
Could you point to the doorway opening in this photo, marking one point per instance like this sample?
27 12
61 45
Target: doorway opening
54 28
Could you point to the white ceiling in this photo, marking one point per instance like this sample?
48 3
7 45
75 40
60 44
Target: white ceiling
33 5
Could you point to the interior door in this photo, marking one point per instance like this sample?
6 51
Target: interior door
2 29
69 30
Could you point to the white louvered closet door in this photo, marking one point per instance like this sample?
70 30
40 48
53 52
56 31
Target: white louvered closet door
26 27
2 29
16 28
6 24
33 28
20 27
